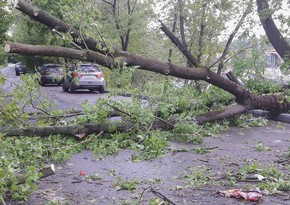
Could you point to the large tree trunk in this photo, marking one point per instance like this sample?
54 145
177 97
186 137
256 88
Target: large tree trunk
245 100
272 32
82 130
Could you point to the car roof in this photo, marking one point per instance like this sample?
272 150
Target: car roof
89 64
51 64
95 66
20 65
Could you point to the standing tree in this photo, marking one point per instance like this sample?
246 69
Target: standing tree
274 35
5 19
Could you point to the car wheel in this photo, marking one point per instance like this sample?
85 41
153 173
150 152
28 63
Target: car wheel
102 89
17 73
64 88
72 88
60 82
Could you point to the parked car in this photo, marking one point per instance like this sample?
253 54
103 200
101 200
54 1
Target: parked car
85 76
19 69
51 74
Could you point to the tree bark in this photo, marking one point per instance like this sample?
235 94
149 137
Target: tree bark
274 35
202 27
173 31
225 113
180 45
38 50
82 130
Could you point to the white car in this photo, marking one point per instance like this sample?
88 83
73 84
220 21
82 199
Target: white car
85 76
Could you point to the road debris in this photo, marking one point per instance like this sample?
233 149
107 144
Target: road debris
83 173
254 196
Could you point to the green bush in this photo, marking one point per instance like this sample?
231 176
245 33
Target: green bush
262 87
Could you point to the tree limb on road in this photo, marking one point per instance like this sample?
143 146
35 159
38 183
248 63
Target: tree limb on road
84 129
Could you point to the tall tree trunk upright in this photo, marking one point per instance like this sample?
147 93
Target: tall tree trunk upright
201 31
274 35
231 37
174 24
124 33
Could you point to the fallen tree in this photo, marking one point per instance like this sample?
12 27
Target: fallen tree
113 57
82 130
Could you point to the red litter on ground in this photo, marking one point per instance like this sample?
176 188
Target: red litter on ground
83 173
238 193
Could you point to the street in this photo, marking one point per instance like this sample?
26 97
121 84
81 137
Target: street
173 174
63 100
66 100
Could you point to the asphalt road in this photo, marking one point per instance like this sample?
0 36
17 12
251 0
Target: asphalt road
12 79
66 100
62 100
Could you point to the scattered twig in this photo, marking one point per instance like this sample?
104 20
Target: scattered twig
188 150
180 150
165 121
119 110
2 200
149 128
282 161
235 164
36 107
130 115
203 160
160 195
77 182
60 35
210 148
140 198
77 113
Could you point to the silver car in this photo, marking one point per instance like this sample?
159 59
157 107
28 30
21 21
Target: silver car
86 76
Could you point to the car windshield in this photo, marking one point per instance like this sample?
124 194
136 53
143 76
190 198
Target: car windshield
88 69
20 66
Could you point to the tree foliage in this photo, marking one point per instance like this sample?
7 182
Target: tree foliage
5 19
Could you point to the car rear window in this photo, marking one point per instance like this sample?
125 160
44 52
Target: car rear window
53 68
20 66
88 68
